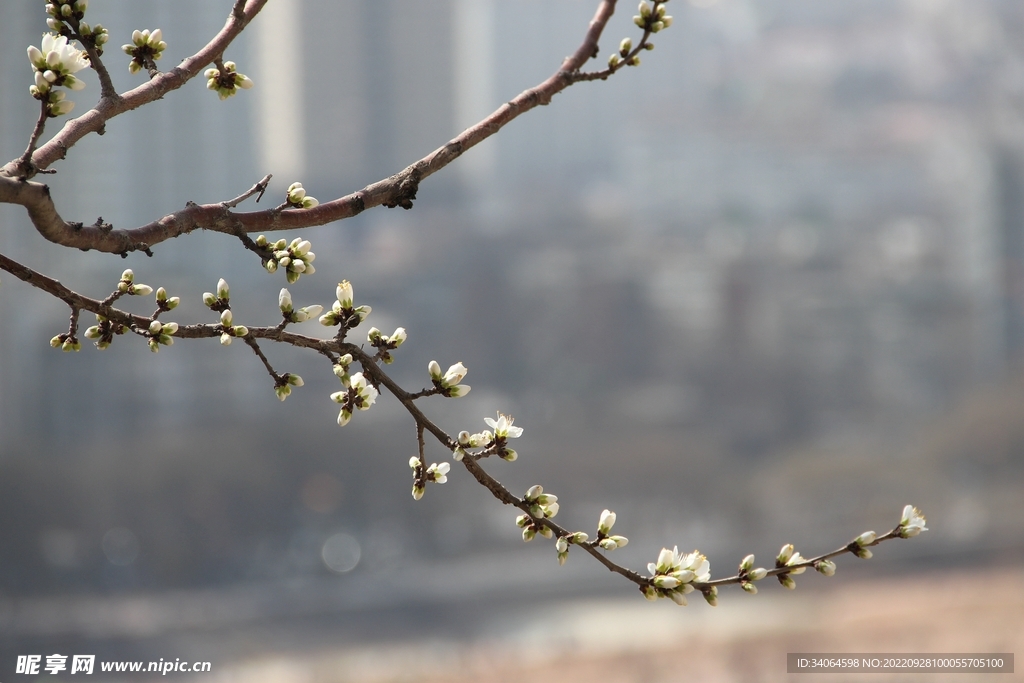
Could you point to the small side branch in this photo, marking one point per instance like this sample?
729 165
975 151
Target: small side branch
25 169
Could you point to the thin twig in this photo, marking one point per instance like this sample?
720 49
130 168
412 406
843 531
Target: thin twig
24 164
259 188
252 344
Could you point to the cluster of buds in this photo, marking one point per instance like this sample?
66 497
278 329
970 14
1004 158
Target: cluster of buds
66 342
343 312
623 56
859 545
293 315
449 383
385 345
127 285
283 385
789 557
60 11
359 394
562 544
298 199
674 575
65 14
165 303
542 506
652 19
226 81
295 257
146 47
604 528
55 65
103 331
495 442
96 35
341 369
220 302
159 334
436 473
749 574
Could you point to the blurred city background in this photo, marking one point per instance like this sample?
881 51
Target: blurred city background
766 288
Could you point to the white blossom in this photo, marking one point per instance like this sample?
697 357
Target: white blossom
502 427
438 472
912 522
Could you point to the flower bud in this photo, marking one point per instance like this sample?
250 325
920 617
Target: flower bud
223 292
757 574
344 293
606 522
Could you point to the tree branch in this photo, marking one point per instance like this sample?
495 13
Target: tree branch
397 190
108 107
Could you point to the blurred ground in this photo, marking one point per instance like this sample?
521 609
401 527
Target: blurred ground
743 639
